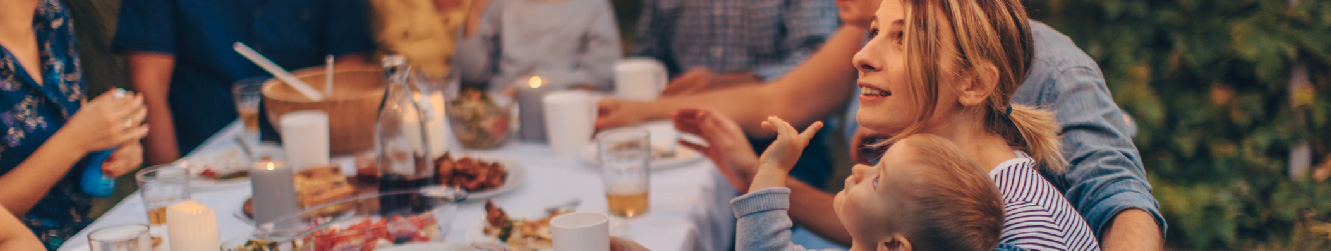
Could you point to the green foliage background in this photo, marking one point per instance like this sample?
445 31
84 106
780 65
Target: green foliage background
1209 85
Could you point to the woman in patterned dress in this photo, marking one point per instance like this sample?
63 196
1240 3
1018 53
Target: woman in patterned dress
50 125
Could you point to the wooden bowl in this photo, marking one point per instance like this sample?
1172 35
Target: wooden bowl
351 109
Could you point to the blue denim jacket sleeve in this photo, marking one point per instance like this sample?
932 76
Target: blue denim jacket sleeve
1105 175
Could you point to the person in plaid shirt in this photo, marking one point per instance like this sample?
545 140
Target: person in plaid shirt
706 44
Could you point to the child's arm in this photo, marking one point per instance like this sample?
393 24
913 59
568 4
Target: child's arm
762 220
775 163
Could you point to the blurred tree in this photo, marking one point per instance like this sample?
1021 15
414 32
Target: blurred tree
1209 83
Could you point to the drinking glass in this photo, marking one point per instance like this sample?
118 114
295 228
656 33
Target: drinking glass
624 155
161 186
131 237
247 93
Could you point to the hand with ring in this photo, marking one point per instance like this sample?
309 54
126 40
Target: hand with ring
112 119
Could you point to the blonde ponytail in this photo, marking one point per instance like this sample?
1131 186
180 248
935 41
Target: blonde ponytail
1035 131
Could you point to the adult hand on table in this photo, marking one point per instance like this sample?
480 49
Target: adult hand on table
700 80
108 121
727 146
613 113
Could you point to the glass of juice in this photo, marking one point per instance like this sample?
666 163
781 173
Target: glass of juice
624 155
246 93
161 186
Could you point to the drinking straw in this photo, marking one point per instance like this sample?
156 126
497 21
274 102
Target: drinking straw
277 71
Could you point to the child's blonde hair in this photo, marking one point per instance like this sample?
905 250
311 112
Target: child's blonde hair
955 206
986 32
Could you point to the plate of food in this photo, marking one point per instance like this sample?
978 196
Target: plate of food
227 167
414 219
663 136
523 228
481 176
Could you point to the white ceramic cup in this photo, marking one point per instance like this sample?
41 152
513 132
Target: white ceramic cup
640 79
570 118
305 138
581 232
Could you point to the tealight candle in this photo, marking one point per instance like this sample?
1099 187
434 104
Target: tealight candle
191 226
274 193
530 112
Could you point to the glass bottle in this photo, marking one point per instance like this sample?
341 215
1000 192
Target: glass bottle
401 141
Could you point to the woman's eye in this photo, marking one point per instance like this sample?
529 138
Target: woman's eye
897 36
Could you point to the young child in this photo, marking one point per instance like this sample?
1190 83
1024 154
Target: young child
569 43
925 194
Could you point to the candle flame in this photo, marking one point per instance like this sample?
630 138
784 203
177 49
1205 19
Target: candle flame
270 166
534 82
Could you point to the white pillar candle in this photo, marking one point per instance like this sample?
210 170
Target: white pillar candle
192 226
530 113
274 193
305 138
438 140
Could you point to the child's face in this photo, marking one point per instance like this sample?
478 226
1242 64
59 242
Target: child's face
888 104
875 196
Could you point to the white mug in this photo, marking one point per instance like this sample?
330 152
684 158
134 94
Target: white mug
640 79
581 232
305 138
570 118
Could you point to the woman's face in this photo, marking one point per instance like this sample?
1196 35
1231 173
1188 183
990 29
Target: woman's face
874 194
887 105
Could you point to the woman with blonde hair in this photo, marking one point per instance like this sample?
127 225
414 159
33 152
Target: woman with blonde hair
950 68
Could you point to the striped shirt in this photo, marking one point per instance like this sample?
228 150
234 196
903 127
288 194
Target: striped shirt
1038 217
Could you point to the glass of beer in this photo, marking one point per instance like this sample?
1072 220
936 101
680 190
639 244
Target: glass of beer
247 93
131 237
161 186
624 155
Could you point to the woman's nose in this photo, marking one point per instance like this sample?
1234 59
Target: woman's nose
864 60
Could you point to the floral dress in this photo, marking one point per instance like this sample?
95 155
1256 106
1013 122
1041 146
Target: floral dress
30 113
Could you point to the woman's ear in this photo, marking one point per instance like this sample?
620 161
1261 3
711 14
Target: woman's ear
976 87
897 242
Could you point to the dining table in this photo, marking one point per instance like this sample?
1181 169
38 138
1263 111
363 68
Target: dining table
689 204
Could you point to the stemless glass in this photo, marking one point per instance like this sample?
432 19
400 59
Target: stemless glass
161 186
624 155
246 93
131 237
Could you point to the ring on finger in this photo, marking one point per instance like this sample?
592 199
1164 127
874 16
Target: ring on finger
129 123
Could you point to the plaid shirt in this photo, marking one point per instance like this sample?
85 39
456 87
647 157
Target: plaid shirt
766 37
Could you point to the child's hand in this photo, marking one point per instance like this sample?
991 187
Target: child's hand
789 144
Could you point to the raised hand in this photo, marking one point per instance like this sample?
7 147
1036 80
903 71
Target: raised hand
789 144
108 121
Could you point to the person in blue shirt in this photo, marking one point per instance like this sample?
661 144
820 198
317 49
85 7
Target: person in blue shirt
179 55
50 125
1105 180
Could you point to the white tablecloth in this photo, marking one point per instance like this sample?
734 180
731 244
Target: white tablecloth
689 208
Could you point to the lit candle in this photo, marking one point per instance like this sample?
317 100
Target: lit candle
434 128
530 113
274 193
191 226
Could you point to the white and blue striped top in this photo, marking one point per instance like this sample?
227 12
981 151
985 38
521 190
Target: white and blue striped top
1038 217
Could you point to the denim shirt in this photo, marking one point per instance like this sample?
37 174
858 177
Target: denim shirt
1105 174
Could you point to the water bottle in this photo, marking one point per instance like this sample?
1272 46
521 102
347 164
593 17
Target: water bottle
94 181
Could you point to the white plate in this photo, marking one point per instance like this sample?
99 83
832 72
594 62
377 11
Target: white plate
662 135
224 160
476 231
516 175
